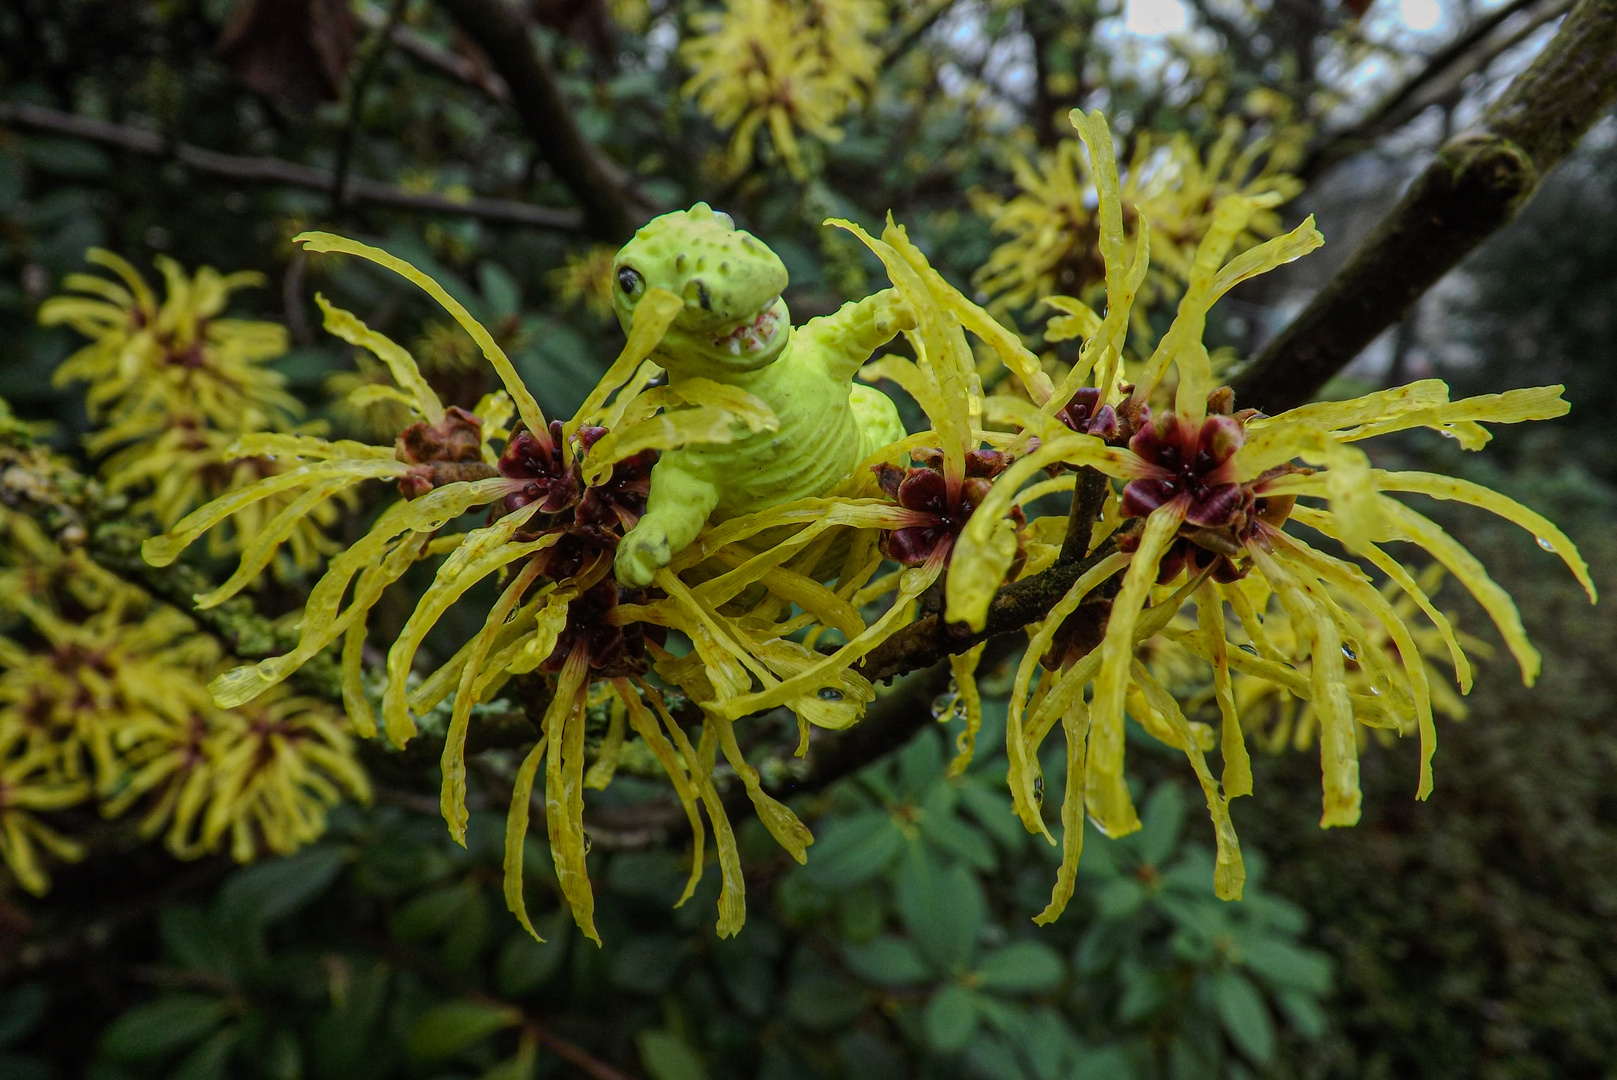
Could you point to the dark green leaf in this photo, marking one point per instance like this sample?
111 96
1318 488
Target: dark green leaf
282 1058
430 914
1205 916
15 1067
1143 994
648 964
275 888
1100 854
854 850
887 961
954 837
191 940
526 964
992 809
1162 822
1284 965
20 1010
951 1018
1023 967
822 1001
666 1057
1245 1016
1106 1063
162 1026
447 1029
1303 1012
1050 1045
66 157
502 296
1120 898
210 1060
943 908
920 765
994 1059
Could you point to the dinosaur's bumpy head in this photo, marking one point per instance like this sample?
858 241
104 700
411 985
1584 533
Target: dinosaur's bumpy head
734 318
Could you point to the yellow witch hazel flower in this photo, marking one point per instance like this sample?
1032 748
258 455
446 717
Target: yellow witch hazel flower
781 604
147 361
262 776
29 785
585 279
171 386
1207 493
560 496
788 65
1053 229
1276 720
103 695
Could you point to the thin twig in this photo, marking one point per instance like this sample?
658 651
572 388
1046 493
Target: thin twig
1440 76
567 1050
1475 185
611 210
1088 500
454 65
268 170
910 36
370 61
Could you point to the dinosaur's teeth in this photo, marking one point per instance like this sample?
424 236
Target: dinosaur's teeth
735 347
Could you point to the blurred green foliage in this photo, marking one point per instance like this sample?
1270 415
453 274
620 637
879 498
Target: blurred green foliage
903 948
1466 937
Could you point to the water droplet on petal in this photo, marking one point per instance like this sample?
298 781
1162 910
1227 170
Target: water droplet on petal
1038 791
1446 433
1347 651
1545 544
1376 690
588 843
830 693
944 704
912 580
1247 646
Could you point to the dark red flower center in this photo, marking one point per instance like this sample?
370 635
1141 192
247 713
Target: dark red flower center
1192 465
939 517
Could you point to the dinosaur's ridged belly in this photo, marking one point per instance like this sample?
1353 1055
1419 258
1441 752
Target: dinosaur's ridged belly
817 444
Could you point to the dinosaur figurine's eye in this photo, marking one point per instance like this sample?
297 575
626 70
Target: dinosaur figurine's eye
629 280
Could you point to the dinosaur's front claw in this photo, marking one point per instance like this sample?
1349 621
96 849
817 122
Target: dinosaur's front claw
643 551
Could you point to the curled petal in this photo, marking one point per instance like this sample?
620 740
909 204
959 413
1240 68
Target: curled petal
1215 508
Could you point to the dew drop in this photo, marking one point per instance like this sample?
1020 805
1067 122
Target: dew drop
1545 544
945 704
588 843
1446 433
1038 791
830 693
1247 646
1347 651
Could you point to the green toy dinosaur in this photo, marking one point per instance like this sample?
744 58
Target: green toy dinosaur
735 329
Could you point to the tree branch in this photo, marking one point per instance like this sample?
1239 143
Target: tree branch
1440 77
1476 184
370 61
449 63
928 640
267 170
611 211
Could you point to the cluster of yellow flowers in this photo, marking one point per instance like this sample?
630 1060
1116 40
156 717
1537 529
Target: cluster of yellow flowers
1052 224
103 697
171 387
779 607
585 278
1270 715
788 65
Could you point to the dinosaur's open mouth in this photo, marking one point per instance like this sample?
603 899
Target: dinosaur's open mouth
749 337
